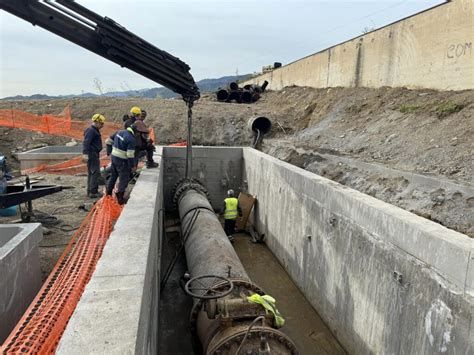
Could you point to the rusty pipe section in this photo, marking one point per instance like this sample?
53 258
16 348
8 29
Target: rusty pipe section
208 250
221 326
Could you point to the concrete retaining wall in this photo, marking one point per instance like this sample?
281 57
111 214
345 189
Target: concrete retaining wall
20 273
48 155
218 168
432 49
384 280
118 312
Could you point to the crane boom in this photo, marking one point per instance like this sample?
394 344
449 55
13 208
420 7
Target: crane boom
108 39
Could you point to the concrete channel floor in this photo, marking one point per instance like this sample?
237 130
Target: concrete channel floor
303 324
174 335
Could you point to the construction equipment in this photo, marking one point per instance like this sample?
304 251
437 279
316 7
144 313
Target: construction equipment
13 195
108 39
112 41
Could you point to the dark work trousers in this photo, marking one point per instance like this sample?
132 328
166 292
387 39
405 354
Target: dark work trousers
229 226
120 170
148 149
93 173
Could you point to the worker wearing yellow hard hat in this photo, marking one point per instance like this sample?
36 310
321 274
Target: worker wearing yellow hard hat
98 118
136 111
132 117
91 148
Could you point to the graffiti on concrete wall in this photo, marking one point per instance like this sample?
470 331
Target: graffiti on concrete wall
459 50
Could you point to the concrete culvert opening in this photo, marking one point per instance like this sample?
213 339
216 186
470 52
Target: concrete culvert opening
262 124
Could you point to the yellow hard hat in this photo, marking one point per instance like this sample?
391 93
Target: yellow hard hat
98 118
136 111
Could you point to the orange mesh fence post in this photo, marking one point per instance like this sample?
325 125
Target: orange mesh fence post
151 134
44 322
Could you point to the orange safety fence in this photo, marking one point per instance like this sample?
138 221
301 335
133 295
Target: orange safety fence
179 144
60 125
44 322
69 167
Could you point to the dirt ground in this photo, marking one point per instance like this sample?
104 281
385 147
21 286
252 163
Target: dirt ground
61 214
411 148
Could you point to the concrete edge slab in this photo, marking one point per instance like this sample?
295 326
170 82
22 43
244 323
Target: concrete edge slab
109 315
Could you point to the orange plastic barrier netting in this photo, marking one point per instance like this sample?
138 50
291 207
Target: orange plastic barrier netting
60 125
42 325
179 144
69 167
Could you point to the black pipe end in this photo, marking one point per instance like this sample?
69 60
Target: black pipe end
234 86
234 95
261 124
222 95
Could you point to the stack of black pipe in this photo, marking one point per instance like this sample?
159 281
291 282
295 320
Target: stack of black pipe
246 95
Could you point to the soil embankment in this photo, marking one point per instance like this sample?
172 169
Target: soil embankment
411 148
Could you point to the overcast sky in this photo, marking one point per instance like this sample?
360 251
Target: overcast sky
214 37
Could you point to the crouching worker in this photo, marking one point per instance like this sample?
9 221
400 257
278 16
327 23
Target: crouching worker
123 162
91 148
231 211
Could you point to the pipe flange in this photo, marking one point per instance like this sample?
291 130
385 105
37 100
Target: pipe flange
190 186
179 182
183 181
280 343
184 185
198 304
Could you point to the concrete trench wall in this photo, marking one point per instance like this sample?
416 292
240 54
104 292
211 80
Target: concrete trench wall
432 49
20 272
218 168
384 280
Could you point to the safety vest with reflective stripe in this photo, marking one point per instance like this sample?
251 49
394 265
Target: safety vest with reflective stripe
124 146
230 208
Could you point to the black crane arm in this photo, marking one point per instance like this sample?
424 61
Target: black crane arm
108 39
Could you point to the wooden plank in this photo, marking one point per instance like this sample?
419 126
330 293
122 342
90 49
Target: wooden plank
246 202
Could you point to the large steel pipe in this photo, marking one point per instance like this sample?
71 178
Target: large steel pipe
222 95
234 95
227 324
233 86
208 250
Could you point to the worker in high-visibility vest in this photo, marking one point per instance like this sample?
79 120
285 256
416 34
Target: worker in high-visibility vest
123 162
231 211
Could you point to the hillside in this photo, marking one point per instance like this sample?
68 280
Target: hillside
204 85
411 148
